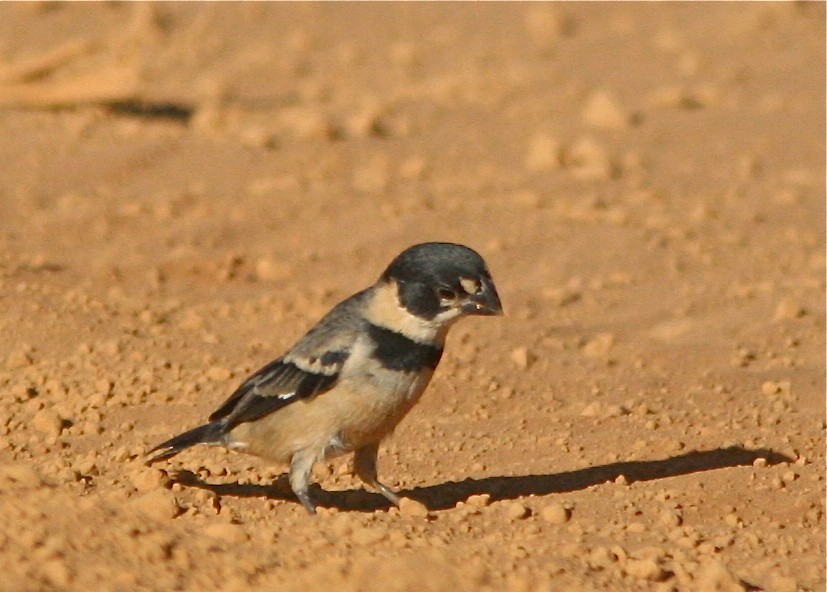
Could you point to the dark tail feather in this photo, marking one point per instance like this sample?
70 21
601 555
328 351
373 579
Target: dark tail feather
209 433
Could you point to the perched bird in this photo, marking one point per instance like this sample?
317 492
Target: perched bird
349 381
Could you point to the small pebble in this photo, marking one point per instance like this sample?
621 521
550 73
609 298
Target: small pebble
479 501
636 527
543 153
86 465
599 346
523 358
145 479
56 572
788 309
588 160
602 557
773 388
713 576
19 359
644 569
517 511
670 518
602 111
555 513
48 422
412 508
789 476
732 520
159 505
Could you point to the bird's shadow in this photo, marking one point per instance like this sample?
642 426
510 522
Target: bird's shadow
446 495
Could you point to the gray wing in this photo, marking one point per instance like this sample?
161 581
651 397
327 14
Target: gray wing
310 368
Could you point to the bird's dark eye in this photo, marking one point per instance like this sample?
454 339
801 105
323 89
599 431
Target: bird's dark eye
446 294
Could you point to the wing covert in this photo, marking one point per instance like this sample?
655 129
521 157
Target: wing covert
311 367
278 384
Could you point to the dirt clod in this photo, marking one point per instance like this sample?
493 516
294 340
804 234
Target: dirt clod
48 422
644 569
517 511
714 576
412 508
555 513
159 505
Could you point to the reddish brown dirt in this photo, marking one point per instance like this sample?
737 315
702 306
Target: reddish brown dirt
645 181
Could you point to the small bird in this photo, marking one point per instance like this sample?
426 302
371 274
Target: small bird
348 382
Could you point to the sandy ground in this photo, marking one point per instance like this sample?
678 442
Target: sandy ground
185 189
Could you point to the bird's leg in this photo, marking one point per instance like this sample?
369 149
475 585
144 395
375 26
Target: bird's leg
364 467
300 467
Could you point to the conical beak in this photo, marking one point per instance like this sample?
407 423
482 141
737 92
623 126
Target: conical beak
486 303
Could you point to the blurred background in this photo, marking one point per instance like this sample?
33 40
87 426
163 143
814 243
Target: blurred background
186 187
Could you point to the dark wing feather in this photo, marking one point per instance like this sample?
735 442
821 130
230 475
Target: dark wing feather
278 384
272 369
310 368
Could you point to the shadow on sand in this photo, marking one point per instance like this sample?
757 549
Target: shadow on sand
446 495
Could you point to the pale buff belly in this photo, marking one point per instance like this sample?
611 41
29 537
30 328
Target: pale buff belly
339 421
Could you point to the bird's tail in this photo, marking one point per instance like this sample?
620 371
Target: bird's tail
209 433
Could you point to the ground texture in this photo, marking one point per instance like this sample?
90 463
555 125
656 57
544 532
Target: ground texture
186 188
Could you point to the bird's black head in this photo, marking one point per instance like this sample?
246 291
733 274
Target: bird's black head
443 280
